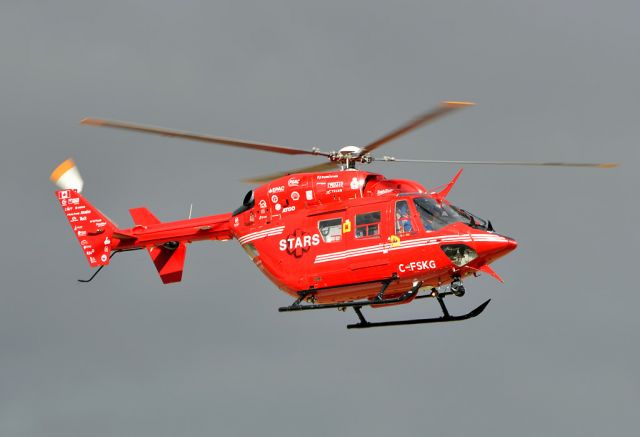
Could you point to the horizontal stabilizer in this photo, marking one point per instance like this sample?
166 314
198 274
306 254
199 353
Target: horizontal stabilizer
142 216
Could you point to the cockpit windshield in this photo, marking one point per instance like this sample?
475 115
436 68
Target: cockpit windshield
436 215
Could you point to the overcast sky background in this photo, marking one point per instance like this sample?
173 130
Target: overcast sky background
555 353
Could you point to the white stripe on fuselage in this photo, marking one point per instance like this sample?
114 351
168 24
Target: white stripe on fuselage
405 244
264 233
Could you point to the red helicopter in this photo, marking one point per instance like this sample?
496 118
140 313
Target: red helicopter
339 239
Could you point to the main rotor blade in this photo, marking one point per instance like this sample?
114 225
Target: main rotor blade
199 137
442 109
528 163
310 169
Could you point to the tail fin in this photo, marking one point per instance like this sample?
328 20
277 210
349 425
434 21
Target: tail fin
168 258
93 229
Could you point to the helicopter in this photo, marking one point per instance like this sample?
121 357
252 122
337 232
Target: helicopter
329 235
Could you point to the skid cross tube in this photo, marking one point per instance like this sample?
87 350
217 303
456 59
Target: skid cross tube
296 306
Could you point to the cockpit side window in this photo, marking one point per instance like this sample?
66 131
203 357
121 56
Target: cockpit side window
403 218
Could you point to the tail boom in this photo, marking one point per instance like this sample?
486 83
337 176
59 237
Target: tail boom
215 227
166 242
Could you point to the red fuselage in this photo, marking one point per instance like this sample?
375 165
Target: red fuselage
339 234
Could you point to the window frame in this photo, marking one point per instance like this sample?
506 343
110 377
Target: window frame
324 237
367 226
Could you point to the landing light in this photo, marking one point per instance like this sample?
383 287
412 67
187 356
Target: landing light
459 254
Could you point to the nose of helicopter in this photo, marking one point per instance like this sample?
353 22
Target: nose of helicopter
493 246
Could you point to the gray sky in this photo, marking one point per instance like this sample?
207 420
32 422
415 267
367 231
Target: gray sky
555 353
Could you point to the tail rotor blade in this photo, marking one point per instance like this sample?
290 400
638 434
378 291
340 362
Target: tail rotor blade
66 176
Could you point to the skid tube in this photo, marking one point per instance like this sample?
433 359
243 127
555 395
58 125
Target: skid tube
380 300
446 317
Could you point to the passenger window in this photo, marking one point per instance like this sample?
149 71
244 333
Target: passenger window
403 218
368 224
330 230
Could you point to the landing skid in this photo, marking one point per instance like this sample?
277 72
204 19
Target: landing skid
380 300
364 323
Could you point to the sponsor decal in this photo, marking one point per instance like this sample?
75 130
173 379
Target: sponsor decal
63 194
279 189
103 258
338 184
274 198
417 266
262 204
309 194
289 209
327 176
236 222
383 192
299 242
293 182
394 240
295 196
82 233
278 207
355 184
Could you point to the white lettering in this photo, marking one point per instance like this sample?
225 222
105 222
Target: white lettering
306 241
279 189
383 192
417 266
289 209
338 184
293 182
